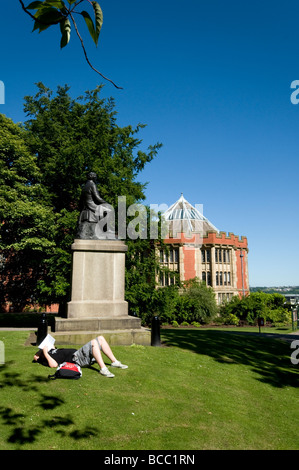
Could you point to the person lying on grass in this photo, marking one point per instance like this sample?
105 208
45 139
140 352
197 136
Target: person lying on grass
84 357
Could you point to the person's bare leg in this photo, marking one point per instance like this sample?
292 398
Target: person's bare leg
96 352
106 348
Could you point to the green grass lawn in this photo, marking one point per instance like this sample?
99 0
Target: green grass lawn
204 389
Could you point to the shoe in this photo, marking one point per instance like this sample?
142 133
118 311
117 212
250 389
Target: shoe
119 365
106 373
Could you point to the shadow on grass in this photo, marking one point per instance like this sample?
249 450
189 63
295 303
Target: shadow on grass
269 358
21 432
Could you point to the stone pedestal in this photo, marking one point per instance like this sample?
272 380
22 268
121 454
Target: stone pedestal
97 303
98 279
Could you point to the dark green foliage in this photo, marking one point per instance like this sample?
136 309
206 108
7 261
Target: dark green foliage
200 302
71 137
27 229
271 307
191 302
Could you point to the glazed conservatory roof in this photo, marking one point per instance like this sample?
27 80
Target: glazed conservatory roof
190 217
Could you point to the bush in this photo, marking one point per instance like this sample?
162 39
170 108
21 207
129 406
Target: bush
166 301
279 316
198 302
258 304
231 319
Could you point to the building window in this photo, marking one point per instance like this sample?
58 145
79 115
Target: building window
206 277
205 255
222 255
223 278
167 279
169 259
225 296
218 255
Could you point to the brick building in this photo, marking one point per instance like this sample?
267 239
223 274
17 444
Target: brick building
198 249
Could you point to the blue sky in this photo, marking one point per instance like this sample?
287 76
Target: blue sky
211 80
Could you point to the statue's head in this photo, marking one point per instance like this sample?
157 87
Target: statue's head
92 176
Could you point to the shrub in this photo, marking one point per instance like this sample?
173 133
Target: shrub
231 319
196 303
257 304
279 316
199 301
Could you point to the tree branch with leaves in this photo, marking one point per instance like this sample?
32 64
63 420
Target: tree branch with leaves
52 12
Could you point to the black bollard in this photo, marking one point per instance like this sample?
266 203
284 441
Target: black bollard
42 330
155 339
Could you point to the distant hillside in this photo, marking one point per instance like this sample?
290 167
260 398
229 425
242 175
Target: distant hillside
279 290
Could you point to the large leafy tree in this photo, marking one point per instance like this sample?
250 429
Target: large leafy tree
27 228
70 137
64 138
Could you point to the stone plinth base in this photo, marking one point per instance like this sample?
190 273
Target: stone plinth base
127 337
98 279
97 305
124 330
96 323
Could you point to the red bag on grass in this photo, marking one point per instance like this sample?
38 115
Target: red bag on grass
67 370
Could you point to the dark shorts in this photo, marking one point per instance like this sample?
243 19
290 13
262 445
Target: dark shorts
84 357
